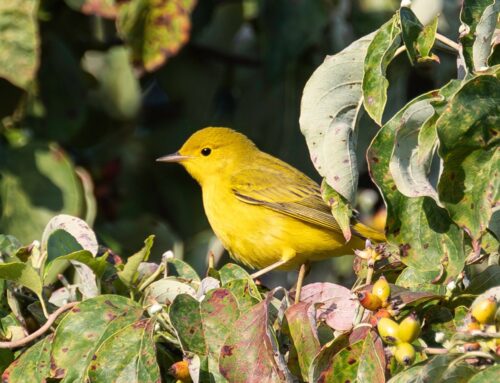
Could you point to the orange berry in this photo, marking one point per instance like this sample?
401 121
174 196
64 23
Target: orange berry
379 314
473 346
180 371
369 301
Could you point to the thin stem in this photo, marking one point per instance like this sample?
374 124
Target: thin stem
50 319
445 40
152 277
435 351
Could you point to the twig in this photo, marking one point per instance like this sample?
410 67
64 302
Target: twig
50 319
435 351
445 40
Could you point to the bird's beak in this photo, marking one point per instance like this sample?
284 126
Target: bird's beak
174 157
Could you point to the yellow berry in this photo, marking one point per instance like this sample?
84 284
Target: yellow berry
369 301
409 328
382 289
405 353
484 311
388 330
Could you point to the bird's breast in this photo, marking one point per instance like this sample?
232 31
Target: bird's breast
258 236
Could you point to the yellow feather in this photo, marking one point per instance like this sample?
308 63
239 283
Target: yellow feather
262 209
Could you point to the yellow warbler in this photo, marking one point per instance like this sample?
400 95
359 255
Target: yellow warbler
266 213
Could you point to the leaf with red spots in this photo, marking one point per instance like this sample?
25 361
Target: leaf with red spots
85 328
301 327
32 366
203 326
355 357
128 355
331 111
155 30
334 304
250 353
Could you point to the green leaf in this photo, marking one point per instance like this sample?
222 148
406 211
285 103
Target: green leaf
232 271
344 365
61 243
301 326
250 352
129 273
40 181
340 208
154 31
417 38
469 186
331 108
61 89
84 329
127 355
245 291
80 232
427 238
8 245
485 29
417 280
372 362
6 358
321 365
185 316
470 15
19 41
288 28
432 370
219 311
33 364
104 8
488 375
22 273
182 269
378 57
97 265
118 91
490 277
165 290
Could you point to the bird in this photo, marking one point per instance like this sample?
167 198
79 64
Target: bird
267 214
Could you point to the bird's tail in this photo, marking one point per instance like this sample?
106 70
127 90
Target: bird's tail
369 233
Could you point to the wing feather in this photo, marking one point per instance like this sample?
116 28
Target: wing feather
282 188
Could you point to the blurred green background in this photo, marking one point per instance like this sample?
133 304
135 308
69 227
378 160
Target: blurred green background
81 135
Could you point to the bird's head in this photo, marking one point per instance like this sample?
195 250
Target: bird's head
211 152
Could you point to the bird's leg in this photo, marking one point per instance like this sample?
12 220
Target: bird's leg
303 271
268 268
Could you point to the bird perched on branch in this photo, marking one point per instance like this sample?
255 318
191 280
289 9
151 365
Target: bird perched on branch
266 213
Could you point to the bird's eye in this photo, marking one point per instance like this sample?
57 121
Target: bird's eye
206 151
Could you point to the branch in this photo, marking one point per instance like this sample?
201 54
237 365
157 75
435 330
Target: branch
445 40
51 319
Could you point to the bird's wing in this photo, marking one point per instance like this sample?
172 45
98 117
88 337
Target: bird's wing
282 188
